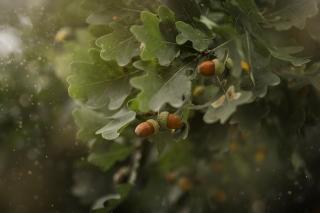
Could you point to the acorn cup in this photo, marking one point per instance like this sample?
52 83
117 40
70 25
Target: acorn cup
229 63
170 121
198 90
147 128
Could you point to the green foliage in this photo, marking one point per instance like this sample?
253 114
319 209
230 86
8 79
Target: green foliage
93 82
110 202
149 84
236 119
115 122
153 43
106 159
118 45
293 14
227 108
199 39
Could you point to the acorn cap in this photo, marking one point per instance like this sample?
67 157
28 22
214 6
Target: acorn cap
245 66
219 66
229 63
163 118
155 125
198 90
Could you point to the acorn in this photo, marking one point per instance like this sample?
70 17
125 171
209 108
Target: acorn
170 121
245 66
198 90
260 155
207 68
171 177
185 184
147 128
63 34
220 196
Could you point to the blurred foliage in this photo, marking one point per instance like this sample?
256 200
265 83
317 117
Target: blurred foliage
245 127
249 141
38 153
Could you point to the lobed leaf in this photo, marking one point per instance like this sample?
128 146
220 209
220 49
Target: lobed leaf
105 159
294 14
224 112
200 41
99 83
119 45
149 84
115 122
153 43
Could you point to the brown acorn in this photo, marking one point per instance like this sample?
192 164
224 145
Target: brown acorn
170 121
147 128
206 68
220 196
185 184
171 177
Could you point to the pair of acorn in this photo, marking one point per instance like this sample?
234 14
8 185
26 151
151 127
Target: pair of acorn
165 119
215 66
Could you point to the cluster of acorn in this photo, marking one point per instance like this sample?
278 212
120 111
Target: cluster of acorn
164 120
216 66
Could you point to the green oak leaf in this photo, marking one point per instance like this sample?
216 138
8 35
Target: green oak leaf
176 155
264 79
149 83
161 140
100 18
249 116
153 43
224 112
120 45
301 76
105 159
99 83
167 25
234 48
109 202
107 123
260 72
294 14
185 10
286 54
252 22
160 85
88 122
75 50
250 8
313 29
166 14
200 41
114 123
173 91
